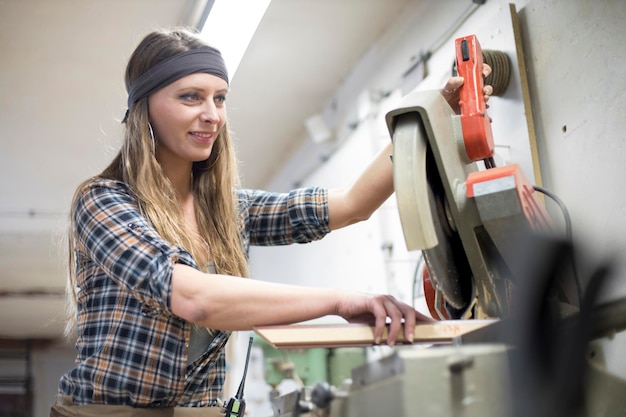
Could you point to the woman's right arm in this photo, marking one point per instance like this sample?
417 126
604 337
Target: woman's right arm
232 303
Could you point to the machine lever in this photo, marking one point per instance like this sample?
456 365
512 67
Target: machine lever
475 122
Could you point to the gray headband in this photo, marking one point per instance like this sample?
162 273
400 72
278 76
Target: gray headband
205 59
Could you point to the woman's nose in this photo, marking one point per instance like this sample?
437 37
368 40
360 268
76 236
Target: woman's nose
210 113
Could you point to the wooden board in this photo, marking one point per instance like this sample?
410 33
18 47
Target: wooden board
530 120
350 335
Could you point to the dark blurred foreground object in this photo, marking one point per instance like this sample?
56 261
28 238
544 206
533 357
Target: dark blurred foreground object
556 366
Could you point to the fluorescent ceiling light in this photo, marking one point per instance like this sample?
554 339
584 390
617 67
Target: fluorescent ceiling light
230 27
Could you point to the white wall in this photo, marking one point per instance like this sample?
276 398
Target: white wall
578 89
576 54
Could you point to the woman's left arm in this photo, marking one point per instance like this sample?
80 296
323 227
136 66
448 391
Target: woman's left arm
370 190
374 186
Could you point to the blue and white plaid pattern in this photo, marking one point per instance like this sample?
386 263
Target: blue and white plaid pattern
131 348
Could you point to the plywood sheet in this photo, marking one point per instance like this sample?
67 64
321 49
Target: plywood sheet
350 335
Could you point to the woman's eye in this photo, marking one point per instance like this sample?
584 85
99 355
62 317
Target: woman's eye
190 97
220 98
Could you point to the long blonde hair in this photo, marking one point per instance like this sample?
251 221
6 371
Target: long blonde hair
213 180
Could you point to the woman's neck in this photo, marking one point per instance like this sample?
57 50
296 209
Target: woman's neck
180 178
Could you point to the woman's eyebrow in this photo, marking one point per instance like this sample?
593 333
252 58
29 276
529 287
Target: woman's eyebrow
201 89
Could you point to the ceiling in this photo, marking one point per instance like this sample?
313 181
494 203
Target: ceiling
62 98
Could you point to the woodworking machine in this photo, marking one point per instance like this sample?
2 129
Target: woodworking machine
471 221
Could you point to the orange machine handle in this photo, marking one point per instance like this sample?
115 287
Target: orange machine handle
475 122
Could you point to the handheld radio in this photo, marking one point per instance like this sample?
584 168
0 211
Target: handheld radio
237 405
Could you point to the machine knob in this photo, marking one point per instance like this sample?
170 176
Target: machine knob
322 395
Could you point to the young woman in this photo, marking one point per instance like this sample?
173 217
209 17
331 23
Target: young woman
159 242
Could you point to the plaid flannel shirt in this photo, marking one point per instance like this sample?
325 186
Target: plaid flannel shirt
132 350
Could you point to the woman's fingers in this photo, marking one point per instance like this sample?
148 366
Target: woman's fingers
486 70
488 90
451 91
396 315
385 313
380 322
410 318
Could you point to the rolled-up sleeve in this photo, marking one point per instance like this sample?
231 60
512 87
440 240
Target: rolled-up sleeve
113 234
299 216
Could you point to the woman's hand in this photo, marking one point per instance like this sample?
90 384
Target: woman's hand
451 91
376 310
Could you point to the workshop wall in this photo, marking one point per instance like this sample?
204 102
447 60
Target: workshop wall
574 57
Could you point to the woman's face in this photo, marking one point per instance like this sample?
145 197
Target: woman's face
187 116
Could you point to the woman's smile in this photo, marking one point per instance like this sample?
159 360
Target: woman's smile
204 137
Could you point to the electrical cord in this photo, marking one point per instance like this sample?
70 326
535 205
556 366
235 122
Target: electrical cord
559 202
568 233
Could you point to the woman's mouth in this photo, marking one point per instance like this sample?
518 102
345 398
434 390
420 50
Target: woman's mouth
204 137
